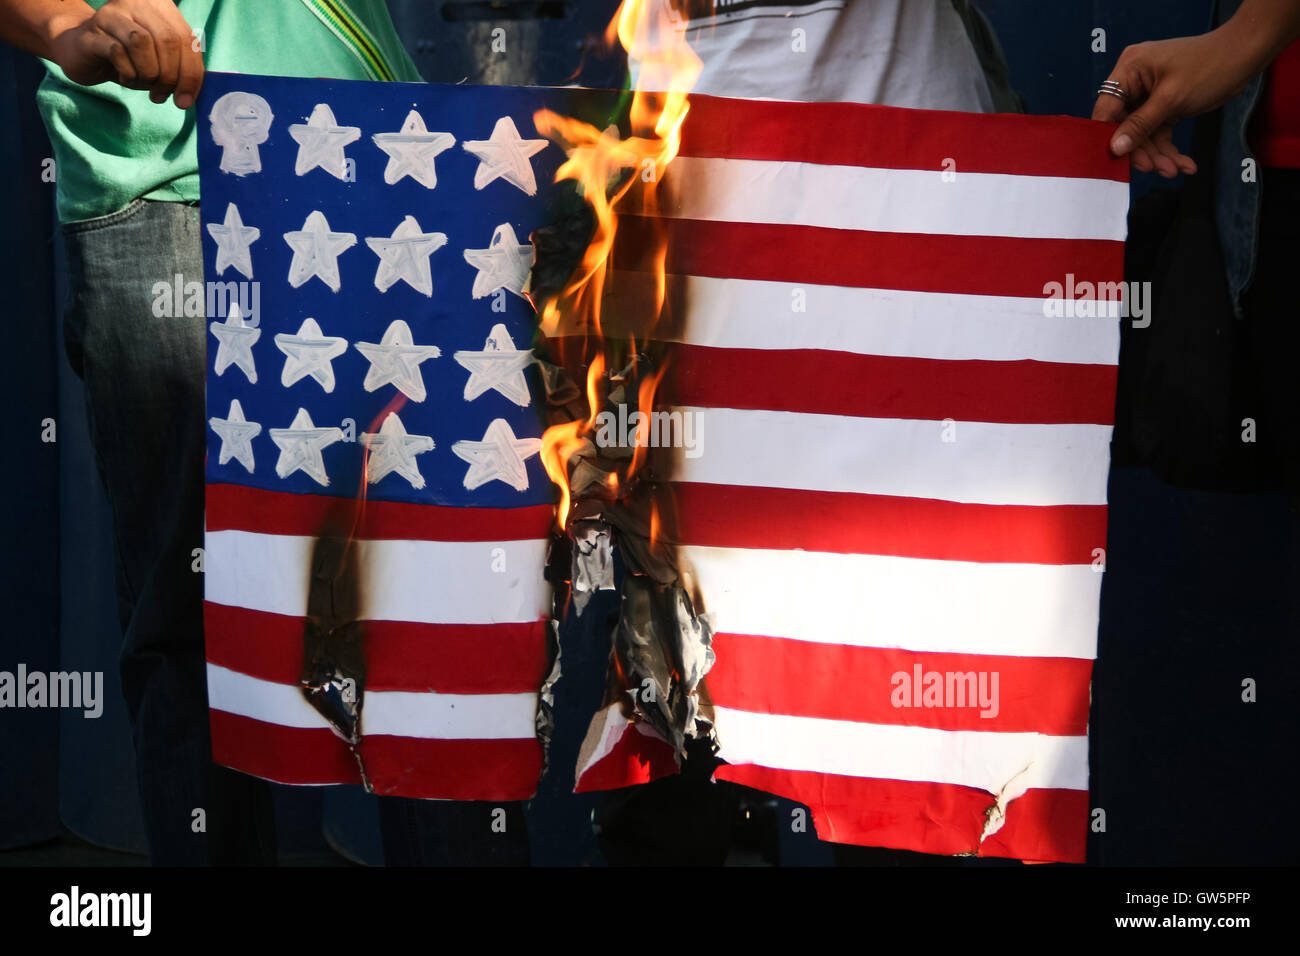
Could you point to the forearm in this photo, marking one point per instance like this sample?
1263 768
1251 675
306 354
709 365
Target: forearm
33 25
1262 29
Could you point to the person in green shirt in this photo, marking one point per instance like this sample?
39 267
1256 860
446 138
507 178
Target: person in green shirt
128 187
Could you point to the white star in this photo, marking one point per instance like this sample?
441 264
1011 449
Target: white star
405 255
233 239
321 141
235 342
500 455
309 353
411 152
393 450
506 156
396 360
301 445
504 264
237 435
316 251
500 365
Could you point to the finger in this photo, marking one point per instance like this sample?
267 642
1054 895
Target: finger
190 80
137 43
1113 109
1164 142
1142 160
116 65
1140 125
167 41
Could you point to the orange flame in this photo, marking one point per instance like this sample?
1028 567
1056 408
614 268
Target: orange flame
605 167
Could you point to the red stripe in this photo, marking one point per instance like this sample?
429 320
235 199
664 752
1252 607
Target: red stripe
446 658
636 758
295 755
970 265
453 769
238 507
946 819
886 386
396 766
727 516
892 138
771 675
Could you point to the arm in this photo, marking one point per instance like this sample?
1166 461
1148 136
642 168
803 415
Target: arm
141 44
1170 80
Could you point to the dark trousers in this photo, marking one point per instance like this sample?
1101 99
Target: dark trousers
143 376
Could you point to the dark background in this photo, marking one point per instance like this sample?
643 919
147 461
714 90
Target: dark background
1199 594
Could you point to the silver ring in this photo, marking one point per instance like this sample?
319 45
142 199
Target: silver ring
1114 89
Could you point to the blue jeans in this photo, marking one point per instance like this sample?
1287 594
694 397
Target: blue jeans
143 379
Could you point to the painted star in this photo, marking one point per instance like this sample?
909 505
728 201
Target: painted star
321 142
233 239
395 360
506 156
309 353
499 456
236 435
500 366
411 152
504 264
235 342
405 255
301 445
316 251
393 450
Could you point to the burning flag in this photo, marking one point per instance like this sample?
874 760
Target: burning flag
896 518
377 513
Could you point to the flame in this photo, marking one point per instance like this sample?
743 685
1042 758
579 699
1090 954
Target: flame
605 167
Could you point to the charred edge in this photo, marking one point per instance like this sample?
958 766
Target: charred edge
333 676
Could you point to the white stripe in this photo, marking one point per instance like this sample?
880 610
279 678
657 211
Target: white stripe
758 314
392 713
986 463
985 760
431 582
897 200
919 604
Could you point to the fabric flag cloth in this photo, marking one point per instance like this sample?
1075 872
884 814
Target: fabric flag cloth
896 514
367 250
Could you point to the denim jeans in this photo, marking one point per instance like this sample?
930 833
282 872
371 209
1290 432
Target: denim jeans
143 377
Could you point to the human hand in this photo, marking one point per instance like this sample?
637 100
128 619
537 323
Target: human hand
1166 81
141 44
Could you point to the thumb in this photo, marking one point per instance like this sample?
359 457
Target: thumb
1140 126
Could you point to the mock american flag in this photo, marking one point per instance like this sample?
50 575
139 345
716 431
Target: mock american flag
896 518
386 227
897 515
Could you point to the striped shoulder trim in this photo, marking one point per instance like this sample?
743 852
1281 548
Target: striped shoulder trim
353 33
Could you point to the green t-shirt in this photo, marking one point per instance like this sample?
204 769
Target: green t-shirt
112 145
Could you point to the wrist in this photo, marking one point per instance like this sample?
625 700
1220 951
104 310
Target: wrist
57 26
